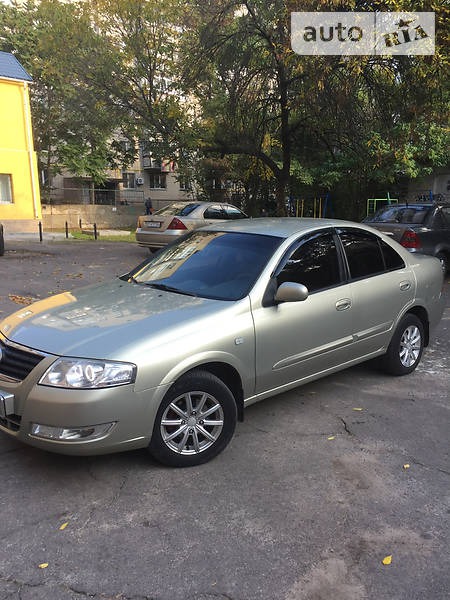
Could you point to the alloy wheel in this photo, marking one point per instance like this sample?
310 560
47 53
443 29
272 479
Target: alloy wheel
192 423
410 346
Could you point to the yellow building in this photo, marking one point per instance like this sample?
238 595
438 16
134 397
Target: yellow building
20 206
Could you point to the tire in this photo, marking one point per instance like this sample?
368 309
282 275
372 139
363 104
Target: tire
182 436
2 241
406 347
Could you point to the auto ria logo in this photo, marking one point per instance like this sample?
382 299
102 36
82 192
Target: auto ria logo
362 33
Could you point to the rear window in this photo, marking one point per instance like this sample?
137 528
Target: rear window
178 209
412 215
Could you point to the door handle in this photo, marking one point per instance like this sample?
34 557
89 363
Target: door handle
405 285
343 304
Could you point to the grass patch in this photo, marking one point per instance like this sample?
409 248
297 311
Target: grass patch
102 237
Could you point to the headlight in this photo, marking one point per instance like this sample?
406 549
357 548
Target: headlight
83 373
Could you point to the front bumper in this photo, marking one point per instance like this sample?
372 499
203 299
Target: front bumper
131 414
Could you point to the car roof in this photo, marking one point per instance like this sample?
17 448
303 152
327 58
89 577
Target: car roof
197 203
409 205
283 227
415 205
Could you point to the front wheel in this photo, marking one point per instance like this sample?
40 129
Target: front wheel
195 421
406 347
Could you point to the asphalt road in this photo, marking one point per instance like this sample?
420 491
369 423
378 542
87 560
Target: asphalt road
306 502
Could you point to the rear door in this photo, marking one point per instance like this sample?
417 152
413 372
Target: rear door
382 286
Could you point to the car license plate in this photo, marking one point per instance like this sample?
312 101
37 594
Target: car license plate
153 223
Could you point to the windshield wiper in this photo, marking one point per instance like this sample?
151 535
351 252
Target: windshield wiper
168 288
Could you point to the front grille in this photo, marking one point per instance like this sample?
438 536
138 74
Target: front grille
11 422
17 362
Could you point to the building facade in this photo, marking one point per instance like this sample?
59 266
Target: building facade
20 207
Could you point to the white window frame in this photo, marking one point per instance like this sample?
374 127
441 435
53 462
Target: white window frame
6 189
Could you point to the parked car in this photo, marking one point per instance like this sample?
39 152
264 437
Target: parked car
423 227
2 241
167 224
168 356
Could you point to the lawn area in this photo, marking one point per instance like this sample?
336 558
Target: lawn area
106 236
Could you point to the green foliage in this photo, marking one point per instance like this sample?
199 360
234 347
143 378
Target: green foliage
316 120
73 119
216 87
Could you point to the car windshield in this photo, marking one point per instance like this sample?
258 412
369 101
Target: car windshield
178 209
209 264
400 214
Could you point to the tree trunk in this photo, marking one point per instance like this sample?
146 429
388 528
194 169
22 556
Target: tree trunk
281 192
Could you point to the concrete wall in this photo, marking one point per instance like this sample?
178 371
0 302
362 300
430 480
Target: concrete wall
105 217
437 183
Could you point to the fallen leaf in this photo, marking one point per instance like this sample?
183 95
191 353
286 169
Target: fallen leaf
63 526
43 565
331 437
406 466
21 299
387 560
358 409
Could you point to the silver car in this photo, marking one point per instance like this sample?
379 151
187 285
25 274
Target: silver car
168 356
175 220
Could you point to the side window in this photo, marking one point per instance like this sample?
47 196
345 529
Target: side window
363 252
392 259
314 263
444 214
214 212
233 213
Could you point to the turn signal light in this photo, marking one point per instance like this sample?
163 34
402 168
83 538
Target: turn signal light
410 239
177 224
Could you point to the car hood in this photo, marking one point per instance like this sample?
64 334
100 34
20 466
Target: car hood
101 321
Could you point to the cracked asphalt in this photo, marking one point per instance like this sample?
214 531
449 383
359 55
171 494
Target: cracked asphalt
312 494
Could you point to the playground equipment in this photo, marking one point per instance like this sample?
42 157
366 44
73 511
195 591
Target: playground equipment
310 207
373 204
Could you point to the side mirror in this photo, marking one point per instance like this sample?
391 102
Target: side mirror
291 292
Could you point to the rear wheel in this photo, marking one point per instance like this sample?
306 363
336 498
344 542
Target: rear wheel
406 347
195 421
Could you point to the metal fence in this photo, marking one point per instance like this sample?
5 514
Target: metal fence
93 196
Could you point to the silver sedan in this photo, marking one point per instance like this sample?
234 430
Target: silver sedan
168 356
175 220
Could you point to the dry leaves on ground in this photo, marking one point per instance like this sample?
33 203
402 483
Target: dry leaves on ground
21 299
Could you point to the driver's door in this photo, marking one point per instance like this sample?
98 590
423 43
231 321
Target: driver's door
295 340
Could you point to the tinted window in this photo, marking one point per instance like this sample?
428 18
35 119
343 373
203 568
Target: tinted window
234 213
179 209
400 214
442 218
221 265
392 259
314 263
214 212
364 255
